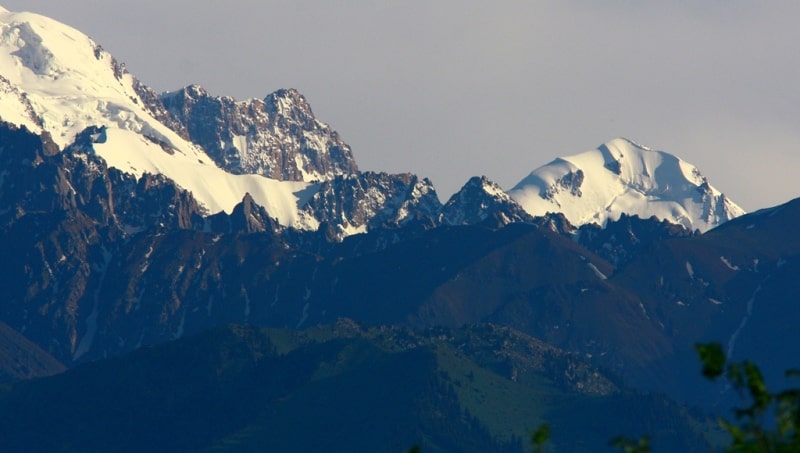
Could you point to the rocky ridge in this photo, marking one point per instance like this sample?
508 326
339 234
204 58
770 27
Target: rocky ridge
278 137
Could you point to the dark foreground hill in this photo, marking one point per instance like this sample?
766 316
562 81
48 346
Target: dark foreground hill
336 388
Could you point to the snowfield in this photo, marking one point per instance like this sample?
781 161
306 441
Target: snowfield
217 189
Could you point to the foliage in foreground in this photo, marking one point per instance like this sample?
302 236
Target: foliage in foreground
768 422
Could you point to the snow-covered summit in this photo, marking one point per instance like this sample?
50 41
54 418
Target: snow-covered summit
55 79
64 82
624 177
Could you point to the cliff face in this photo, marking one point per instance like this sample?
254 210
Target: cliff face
277 137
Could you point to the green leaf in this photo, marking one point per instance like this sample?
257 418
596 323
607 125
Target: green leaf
540 436
757 387
628 445
713 359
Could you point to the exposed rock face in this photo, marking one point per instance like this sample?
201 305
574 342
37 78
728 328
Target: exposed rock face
119 199
63 215
99 252
277 137
152 101
369 200
247 217
570 182
557 223
481 201
25 109
98 263
622 239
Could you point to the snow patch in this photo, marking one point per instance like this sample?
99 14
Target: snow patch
350 230
748 312
644 311
728 264
240 143
597 272
304 315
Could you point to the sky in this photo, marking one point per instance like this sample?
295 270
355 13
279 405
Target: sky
451 89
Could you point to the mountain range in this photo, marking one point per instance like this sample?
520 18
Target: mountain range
278 152
130 219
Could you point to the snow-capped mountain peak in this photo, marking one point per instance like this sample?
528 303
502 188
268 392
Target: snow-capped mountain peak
619 177
56 80
64 82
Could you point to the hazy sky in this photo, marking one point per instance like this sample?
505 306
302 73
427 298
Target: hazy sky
452 89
